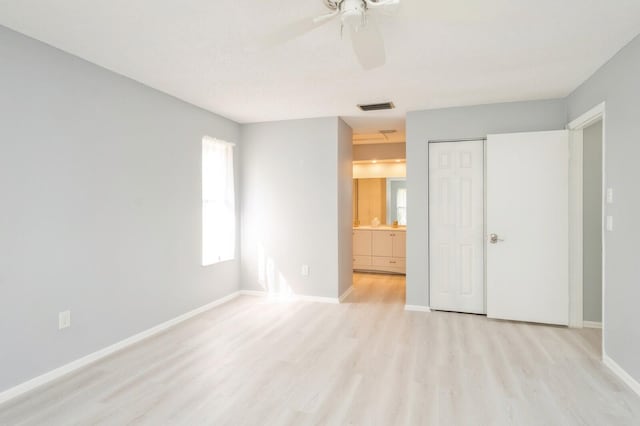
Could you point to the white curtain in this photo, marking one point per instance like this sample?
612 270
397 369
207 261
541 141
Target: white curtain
218 202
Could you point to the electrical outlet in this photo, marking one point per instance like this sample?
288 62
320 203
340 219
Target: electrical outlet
305 270
64 320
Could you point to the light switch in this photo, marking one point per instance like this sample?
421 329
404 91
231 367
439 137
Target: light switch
305 270
609 223
609 196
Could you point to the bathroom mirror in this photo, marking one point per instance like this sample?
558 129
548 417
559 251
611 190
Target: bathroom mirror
384 198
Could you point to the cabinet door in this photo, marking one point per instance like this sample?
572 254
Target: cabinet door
361 243
399 244
383 243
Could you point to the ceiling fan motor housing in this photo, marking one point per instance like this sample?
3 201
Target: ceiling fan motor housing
353 12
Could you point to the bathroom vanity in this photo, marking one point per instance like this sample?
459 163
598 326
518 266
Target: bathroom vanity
380 249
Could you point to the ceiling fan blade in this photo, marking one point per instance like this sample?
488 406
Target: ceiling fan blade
368 45
294 30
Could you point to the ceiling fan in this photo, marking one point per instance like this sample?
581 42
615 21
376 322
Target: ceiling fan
359 18
356 17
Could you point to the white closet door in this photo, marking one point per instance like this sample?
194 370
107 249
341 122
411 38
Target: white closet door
527 211
456 226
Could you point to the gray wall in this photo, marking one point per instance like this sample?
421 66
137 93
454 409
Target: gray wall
345 207
379 151
618 83
592 224
456 123
290 206
100 183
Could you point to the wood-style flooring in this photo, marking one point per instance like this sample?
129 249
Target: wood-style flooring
367 361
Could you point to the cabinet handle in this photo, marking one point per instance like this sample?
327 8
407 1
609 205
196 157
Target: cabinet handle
392 261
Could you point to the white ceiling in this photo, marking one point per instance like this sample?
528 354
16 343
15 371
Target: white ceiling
201 51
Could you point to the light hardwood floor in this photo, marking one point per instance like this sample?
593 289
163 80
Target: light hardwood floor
366 361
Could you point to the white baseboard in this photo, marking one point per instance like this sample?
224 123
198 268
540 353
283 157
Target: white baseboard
591 324
346 294
57 373
290 297
622 374
332 300
255 293
416 308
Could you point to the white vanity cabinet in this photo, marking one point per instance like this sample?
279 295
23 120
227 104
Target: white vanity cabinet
361 249
380 249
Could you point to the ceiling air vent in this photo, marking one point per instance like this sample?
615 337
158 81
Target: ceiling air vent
377 107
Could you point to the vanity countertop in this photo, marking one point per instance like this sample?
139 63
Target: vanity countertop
380 228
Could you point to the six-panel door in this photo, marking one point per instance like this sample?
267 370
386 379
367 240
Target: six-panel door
456 226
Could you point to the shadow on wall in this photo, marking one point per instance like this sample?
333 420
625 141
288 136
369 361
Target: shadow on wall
272 281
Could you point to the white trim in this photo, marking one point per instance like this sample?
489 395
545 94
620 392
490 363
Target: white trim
416 308
210 139
576 243
592 324
256 293
289 297
588 118
319 299
622 374
59 372
346 294
599 112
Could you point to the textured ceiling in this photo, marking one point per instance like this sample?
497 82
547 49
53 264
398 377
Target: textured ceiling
203 51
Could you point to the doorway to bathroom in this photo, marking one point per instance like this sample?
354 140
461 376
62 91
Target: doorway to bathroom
379 218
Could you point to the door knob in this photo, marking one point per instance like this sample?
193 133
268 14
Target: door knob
494 239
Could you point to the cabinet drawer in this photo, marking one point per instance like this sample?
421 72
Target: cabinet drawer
361 261
389 261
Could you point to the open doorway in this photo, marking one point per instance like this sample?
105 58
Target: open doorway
592 203
379 218
588 213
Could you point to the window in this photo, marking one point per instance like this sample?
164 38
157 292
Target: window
218 202
401 206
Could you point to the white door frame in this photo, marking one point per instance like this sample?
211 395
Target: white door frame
576 128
